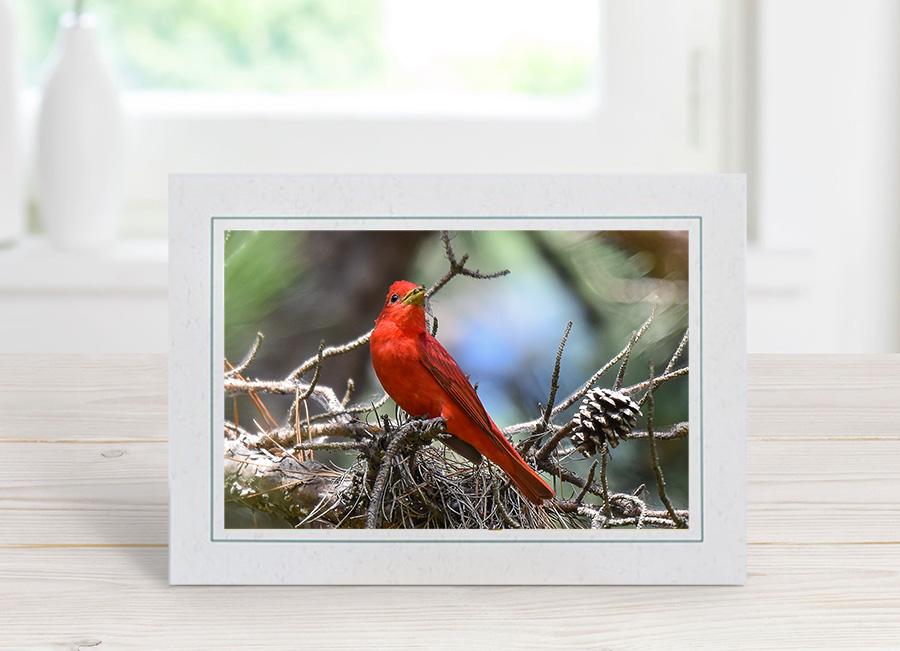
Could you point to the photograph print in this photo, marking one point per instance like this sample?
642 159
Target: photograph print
467 379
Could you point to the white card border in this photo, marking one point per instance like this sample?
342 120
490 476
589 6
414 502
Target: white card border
198 554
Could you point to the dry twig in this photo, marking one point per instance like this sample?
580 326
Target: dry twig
654 458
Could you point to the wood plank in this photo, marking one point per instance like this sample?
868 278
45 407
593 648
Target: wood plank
119 597
854 396
83 397
833 490
823 491
84 493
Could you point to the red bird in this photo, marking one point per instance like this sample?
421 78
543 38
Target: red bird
422 377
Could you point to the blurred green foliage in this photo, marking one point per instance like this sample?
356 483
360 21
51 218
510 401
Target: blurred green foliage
285 45
225 44
529 70
259 268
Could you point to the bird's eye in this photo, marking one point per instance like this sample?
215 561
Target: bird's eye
394 298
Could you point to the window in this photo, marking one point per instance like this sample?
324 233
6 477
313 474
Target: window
468 47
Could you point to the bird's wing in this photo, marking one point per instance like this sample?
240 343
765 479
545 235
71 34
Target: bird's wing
450 377
463 449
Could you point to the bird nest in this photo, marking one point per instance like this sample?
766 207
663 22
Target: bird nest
401 478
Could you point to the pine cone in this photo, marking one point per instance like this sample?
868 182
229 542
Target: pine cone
604 415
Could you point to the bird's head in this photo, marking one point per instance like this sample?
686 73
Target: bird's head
405 304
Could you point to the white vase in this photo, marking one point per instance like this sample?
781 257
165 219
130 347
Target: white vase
12 216
80 142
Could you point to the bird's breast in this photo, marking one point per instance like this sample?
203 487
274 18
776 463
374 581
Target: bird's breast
396 360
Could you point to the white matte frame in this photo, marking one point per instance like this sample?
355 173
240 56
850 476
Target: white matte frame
711 551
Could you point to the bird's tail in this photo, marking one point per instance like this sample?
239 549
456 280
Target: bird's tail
525 478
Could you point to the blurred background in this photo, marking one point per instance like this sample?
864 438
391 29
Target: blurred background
296 289
97 107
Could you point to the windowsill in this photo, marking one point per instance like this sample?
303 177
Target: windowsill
129 265
339 106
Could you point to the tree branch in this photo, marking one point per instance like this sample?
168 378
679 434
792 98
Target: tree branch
528 427
554 382
330 351
248 358
458 268
654 459
662 379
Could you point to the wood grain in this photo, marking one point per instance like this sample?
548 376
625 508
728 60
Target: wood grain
83 397
824 395
120 597
83 503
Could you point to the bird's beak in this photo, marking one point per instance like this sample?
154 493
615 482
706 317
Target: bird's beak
415 296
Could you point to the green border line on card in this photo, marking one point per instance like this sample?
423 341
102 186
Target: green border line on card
212 377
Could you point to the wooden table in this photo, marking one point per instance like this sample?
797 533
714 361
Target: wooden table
83 502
